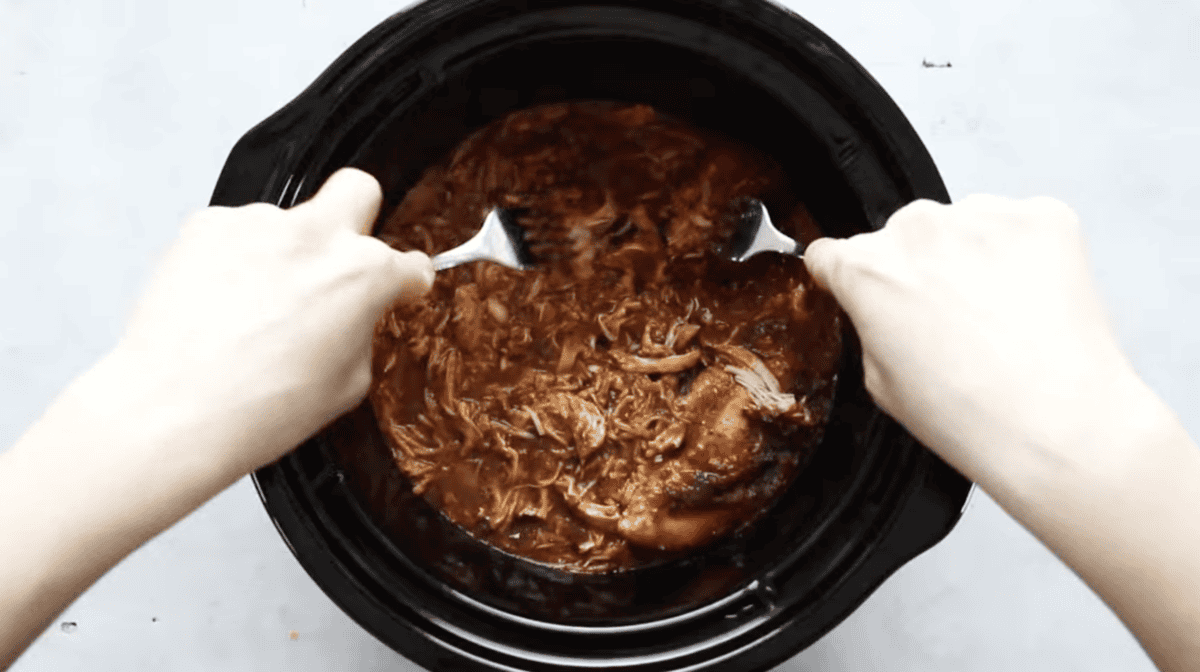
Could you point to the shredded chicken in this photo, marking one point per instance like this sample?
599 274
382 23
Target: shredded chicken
633 395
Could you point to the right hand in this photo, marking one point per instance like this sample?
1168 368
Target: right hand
981 328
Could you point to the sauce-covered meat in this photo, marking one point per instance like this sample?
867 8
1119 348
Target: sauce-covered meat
636 394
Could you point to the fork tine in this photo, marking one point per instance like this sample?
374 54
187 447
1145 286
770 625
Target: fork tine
516 235
500 240
756 233
748 218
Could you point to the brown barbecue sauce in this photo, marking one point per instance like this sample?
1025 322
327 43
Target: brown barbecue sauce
636 394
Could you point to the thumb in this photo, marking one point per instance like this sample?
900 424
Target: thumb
414 272
348 200
821 258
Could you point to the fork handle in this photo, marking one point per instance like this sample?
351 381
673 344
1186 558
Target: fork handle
452 258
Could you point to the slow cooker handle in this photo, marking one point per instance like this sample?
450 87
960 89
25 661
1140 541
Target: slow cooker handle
261 161
928 514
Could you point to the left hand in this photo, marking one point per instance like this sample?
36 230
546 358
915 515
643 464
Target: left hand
253 334
264 317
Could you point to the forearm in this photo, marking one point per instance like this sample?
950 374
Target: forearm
119 457
254 333
1017 380
1116 495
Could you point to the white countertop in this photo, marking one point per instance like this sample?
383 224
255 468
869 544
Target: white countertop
116 117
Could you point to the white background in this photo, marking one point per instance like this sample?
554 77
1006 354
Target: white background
116 117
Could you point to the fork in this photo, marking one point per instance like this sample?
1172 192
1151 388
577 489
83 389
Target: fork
755 233
500 240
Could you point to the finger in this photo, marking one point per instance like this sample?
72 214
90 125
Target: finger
873 380
917 224
414 275
922 208
349 200
214 215
1043 208
403 276
986 203
821 258
845 266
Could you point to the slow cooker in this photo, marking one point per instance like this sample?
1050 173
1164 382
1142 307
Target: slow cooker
870 499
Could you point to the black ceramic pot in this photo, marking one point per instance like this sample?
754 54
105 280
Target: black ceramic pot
870 499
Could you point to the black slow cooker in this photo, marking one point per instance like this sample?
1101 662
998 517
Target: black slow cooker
870 499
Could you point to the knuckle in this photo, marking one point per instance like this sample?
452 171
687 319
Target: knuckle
371 260
300 242
360 382
204 218
825 259
838 272
376 254
1054 211
259 209
919 223
985 203
920 213
852 263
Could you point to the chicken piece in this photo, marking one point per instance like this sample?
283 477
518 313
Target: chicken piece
666 530
538 507
706 393
468 317
671 364
750 372
763 389
497 309
648 347
572 346
681 334
582 500
611 323
582 232
720 441
667 440
564 414
648 518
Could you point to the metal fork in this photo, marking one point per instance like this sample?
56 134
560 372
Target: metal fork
500 240
756 233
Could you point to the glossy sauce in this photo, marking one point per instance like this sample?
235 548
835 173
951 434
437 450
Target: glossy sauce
636 394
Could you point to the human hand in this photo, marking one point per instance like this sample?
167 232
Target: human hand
263 317
980 325
254 333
